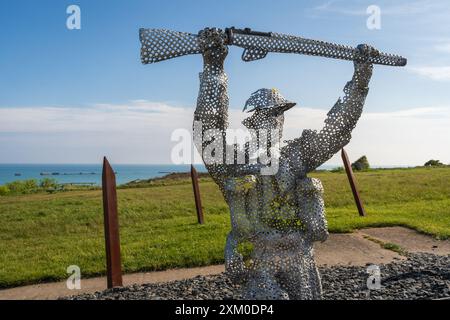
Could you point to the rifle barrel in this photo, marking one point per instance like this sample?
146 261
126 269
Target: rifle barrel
257 46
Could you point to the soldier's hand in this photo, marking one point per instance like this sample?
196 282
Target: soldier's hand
363 67
366 52
212 43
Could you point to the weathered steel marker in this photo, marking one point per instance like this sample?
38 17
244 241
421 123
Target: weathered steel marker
351 179
111 222
198 200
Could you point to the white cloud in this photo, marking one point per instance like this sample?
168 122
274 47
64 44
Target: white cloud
98 118
335 6
444 47
406 137
139 132
407 8
433 73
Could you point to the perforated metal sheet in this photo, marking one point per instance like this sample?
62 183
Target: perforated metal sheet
266 98
260 46
161 44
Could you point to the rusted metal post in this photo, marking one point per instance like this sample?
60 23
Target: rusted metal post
198 200
351 179
111 222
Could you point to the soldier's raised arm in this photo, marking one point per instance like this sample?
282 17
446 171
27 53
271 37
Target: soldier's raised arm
211 113
314 148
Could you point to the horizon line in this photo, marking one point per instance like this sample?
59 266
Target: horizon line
186 164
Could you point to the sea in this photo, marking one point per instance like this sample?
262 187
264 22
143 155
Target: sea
87 173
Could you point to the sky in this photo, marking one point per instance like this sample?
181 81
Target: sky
73 96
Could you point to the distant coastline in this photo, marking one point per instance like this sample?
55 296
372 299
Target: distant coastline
91 173
86 173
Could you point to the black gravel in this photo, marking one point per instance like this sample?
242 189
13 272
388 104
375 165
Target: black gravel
421 276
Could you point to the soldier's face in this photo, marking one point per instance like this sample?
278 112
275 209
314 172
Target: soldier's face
268 119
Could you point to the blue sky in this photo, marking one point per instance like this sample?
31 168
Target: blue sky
55 81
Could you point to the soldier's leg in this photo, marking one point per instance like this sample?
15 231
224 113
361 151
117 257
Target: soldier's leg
262 285
262 282
234 262
300 277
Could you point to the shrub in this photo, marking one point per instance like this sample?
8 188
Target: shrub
361 164
4 190
337 169
433 163
23 187
48 183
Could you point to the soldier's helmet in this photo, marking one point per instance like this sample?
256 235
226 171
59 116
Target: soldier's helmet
267 99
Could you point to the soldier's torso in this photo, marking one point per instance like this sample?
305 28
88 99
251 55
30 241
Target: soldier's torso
260 204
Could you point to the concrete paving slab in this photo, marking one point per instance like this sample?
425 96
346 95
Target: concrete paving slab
410 240
51 291
353 250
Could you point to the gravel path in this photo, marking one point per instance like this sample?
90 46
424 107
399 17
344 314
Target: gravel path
421 276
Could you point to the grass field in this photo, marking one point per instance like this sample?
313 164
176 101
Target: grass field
42 234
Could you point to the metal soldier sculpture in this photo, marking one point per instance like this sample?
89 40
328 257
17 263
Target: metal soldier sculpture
276 215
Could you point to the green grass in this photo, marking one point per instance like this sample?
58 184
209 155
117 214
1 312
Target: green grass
394 247
42 234
387 245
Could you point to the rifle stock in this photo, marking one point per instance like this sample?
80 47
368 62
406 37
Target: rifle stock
161 44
